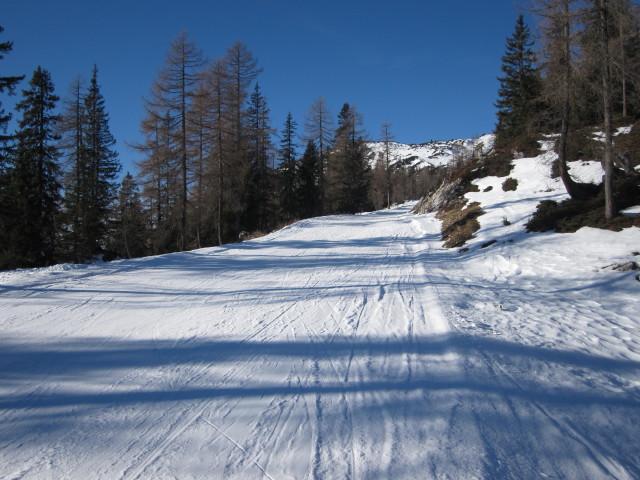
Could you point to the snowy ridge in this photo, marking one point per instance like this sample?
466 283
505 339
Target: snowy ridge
434 153
341 347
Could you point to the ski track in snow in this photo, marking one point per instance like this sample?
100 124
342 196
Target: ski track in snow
346 347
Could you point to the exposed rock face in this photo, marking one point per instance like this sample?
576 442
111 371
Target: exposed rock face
623 267
443 196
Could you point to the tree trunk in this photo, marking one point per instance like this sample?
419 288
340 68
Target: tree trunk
609 201
574 189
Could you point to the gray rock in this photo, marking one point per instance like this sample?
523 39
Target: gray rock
623 267
443 196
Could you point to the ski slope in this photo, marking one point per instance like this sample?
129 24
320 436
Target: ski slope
343 347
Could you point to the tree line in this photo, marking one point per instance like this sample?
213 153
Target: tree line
214 169
58 173
210 172
584 73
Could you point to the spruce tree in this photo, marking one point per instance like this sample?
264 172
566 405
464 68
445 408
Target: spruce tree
34 175
288 171
520 88
131 234
350 175
7 84
102 169
309 180
258 214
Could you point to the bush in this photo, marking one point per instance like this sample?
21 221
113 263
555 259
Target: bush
510 184
493 166
571 215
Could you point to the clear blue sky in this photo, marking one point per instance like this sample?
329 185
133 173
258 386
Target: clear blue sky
427 67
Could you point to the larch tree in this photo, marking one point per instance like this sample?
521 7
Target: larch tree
241 69
603 19
559 24
319 128
130 239
157 175
387 138
34 174
625 50
216 85
72 124
198 132
172 95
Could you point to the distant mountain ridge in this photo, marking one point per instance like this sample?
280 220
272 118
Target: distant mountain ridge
435 153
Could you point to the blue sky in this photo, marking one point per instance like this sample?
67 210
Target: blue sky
427 67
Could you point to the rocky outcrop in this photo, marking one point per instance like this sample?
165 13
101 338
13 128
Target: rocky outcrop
441 198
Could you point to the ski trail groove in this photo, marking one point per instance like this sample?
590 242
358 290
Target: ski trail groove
238 446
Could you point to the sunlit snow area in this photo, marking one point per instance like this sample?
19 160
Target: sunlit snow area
341 347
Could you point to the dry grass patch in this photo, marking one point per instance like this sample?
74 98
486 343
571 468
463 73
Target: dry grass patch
459 222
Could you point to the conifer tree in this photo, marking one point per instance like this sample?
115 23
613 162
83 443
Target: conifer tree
7 84
34 175
102 168
288 170
130 239
309 178
172 95
216 84
350 172
319 128
519 87
604 10
387 138
241 69
200 151
158 179
72 124
626 54
558 28
258 214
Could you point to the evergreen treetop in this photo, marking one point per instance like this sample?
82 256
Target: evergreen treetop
520 86
8 84
34 175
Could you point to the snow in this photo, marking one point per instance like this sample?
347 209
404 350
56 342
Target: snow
339 347
435 153
631 211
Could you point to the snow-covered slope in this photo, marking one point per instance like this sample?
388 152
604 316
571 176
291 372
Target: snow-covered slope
340 347
435 153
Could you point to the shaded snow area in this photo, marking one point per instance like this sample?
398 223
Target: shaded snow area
344 347
435 153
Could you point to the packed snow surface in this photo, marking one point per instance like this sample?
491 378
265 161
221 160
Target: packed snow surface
351 347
